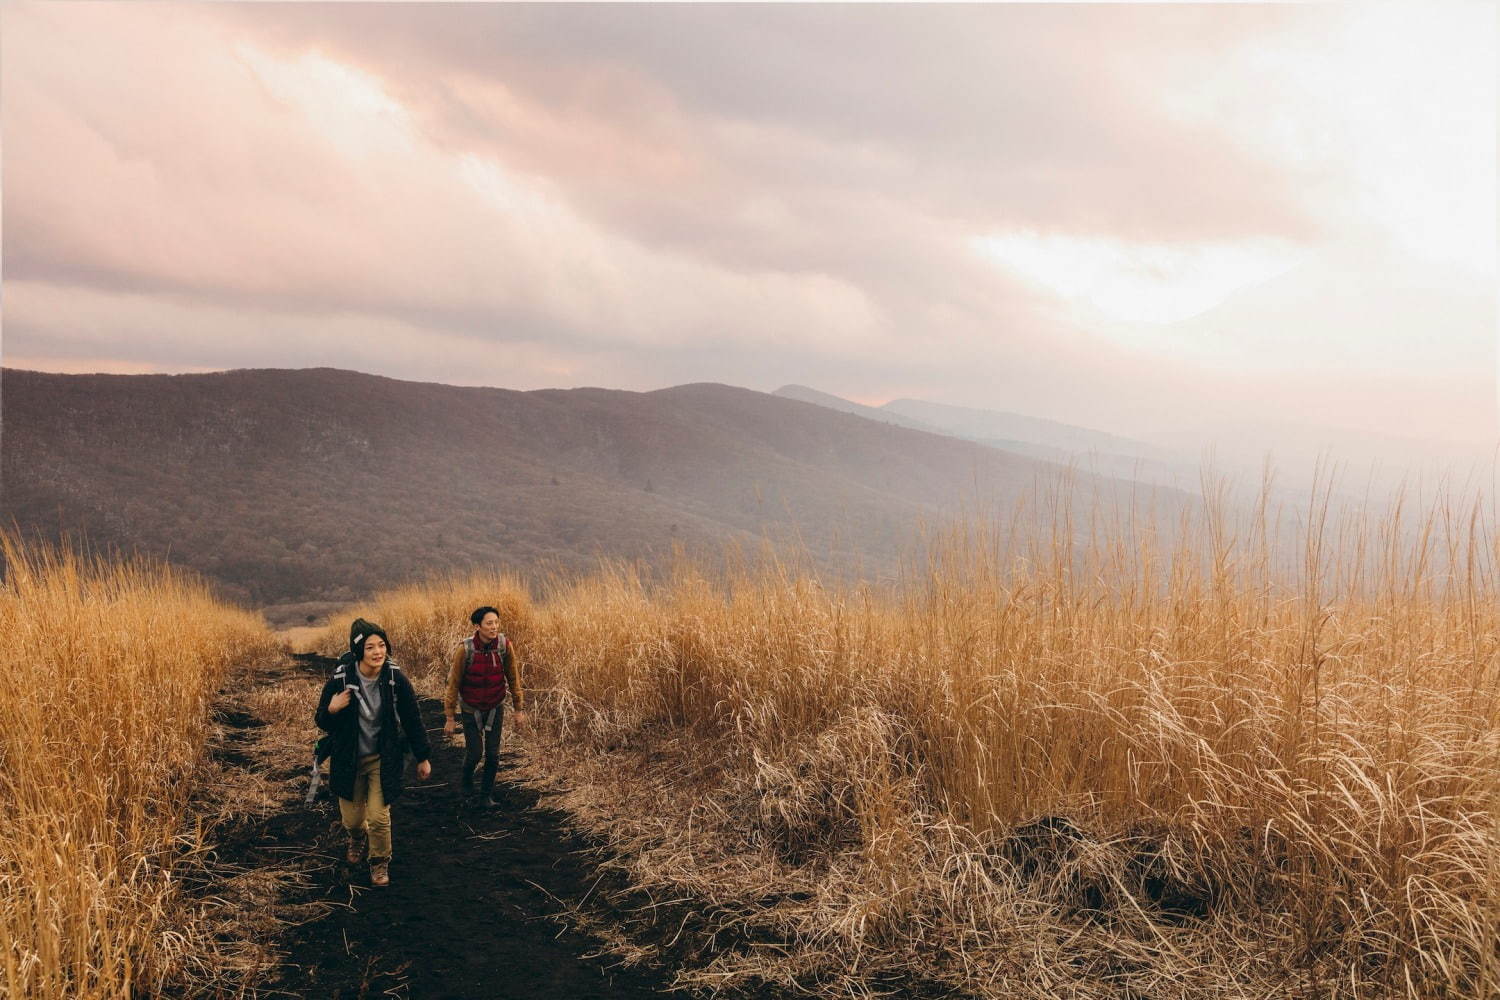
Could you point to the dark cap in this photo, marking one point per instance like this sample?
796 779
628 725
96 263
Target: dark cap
357 638
358 629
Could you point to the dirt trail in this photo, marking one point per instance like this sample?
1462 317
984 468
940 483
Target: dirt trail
472 908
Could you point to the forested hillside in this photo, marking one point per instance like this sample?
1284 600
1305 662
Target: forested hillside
321 484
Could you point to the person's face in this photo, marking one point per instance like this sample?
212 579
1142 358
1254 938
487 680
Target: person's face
374 653
489 627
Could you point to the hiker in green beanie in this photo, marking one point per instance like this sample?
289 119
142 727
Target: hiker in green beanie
370 711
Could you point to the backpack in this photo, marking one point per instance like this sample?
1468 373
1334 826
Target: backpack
468 645
323 746
485 719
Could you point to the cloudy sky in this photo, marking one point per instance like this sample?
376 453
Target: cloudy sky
1147 219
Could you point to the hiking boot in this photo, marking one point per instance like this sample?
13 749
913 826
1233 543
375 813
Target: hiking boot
355 852
380 871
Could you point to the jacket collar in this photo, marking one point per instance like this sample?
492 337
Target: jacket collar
386 677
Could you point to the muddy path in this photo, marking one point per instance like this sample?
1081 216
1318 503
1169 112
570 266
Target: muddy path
478 901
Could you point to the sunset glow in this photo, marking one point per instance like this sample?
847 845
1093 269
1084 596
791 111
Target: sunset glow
1151 283
1130 217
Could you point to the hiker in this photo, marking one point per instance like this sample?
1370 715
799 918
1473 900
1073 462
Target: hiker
323 746
483 669
367 707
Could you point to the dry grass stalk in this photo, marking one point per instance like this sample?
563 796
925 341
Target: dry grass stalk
108 672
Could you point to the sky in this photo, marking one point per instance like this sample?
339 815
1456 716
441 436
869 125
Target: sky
1164 221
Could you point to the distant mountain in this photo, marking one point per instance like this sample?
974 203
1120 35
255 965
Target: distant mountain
1000 427
876 413
1049 440
288 486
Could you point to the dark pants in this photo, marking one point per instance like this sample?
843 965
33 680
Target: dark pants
489 741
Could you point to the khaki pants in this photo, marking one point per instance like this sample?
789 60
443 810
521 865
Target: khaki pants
367 810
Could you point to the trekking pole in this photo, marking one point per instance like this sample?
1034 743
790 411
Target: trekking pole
312 782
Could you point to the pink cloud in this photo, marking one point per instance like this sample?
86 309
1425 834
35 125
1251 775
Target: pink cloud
795 193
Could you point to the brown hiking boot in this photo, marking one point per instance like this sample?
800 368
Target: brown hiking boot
355 853
380 871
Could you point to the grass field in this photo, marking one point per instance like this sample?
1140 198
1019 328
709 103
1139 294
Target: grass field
1258 761
1230 759
108 672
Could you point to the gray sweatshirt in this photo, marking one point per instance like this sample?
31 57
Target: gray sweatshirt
371 698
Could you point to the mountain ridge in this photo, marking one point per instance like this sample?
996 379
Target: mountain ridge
288 485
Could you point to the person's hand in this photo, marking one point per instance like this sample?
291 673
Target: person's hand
519 718
424 770
339 701
450 726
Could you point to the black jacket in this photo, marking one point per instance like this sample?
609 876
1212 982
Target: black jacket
400 703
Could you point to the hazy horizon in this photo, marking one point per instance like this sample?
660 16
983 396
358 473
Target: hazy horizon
1264 226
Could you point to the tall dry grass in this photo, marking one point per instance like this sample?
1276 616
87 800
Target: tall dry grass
106 675
1062 758
427 620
